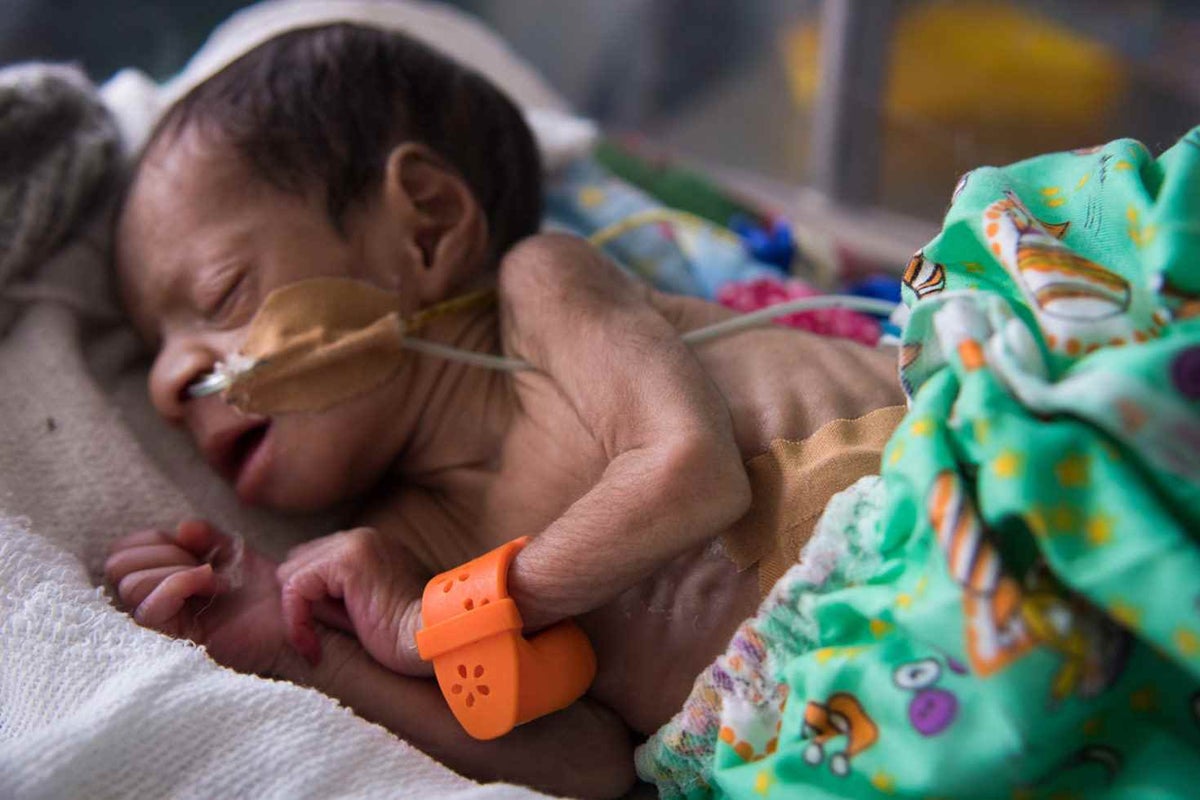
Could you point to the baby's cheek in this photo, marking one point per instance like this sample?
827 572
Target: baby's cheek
322 463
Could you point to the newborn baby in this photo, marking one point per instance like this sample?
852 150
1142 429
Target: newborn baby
352 153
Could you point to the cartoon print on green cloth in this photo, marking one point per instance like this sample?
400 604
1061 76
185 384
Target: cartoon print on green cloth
1004 620
1094 649
932 710
924 277
1079 304
1012 608
1183 305
842 715
996 631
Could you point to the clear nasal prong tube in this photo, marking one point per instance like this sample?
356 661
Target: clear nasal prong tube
223 375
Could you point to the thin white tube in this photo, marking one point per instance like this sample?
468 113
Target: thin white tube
726 327
471 357
754 319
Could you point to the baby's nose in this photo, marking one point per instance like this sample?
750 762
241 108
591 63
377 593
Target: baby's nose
177 367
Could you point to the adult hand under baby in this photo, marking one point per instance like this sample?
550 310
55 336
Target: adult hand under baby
359 582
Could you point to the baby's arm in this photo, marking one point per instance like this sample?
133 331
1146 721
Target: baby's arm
169 581
674 477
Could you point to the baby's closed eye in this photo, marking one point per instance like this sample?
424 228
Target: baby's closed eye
221 292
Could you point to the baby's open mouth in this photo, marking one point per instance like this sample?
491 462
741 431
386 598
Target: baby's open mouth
244 446
231 452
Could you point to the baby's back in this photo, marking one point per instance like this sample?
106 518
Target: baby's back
781 383
653 639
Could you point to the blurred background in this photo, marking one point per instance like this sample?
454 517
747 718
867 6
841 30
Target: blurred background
877 105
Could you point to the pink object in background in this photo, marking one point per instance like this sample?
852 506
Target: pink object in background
762 292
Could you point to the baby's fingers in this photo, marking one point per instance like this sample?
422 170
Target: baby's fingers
192 542
311 583
204 541
140 539
167 598
123 563
137 586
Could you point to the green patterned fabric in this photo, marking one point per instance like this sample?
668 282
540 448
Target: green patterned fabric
1027 624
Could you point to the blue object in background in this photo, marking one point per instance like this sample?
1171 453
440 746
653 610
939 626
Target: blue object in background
880 287
774 246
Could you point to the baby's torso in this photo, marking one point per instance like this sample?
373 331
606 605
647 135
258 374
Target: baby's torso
656 637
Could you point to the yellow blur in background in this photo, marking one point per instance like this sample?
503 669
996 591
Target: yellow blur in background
981 65
969 83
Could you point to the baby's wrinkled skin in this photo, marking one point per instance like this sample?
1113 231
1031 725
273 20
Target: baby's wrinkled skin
622 454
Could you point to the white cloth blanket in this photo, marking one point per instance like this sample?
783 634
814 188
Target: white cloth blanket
91 705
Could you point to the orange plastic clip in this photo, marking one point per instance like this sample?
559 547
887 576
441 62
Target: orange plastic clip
494 678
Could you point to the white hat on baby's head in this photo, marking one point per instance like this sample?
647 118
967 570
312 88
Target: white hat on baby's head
138 102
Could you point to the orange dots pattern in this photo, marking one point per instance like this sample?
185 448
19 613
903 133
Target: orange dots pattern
744 749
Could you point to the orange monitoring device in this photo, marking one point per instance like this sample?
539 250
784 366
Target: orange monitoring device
493 677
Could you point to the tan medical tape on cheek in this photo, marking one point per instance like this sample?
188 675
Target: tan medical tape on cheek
319 342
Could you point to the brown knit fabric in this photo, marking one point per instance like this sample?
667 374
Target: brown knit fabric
791 484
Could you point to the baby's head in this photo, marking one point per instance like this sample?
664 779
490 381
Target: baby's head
337 151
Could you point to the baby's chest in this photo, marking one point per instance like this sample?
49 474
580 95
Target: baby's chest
548 461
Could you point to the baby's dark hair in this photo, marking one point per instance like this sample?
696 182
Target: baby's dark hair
326 106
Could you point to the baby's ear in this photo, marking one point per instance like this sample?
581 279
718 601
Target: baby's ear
441 223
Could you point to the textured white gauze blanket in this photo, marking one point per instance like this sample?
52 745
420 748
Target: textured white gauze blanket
91 705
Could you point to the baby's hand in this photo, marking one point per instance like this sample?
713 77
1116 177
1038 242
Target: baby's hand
179 584
379 588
